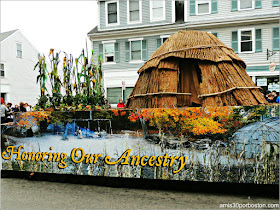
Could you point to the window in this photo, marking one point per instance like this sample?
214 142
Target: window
246 43
19 50
275 38
134 11
203 7
109 52
179 11
2 70
164 39
214 33
126 93
136 50
161 40
276 3
246 4
112 14
4 96
157 10
114 95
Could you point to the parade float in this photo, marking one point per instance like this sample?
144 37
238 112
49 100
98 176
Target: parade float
194 115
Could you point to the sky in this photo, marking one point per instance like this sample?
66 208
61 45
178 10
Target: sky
62 25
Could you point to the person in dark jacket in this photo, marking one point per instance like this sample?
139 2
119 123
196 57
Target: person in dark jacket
270 98
16 108
21 107
275 95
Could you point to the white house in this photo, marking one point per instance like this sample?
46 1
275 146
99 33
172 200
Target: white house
18 78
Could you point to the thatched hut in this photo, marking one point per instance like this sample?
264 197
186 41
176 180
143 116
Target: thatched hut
194 68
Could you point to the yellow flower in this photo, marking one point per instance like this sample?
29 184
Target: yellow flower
51 51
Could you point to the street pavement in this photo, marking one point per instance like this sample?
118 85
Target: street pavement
26 194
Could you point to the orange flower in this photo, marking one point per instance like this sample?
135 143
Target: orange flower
122 113
115 112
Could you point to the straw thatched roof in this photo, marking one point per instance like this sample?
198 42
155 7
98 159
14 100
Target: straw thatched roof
194 68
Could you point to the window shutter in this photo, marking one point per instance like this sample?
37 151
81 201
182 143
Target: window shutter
101 51
192 8
215 34
258 4
117 52
234 5
127 51
234 41
214 6
258 40
276 3
275 38
114 95
158 43
144 50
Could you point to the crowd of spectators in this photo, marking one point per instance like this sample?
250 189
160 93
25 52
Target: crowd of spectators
7 110
272 97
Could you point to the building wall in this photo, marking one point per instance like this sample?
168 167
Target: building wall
224 11
224 34
20 79
123 16
151 43
257 63
255 58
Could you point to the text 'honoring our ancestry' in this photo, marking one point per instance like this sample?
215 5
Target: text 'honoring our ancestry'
78 155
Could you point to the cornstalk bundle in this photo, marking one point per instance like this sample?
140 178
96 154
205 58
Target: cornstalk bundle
194 68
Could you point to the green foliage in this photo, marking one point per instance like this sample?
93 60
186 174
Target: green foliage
75 82
42 77
42 102
61 117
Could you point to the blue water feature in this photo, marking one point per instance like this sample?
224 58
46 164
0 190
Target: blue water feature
71 129
86 132
55 128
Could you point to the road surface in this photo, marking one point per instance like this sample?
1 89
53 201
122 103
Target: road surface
26 194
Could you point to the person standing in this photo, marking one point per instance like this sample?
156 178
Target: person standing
107 105
275 96
9 113
16 108
21 107
121 104
3 110
27 107
270 98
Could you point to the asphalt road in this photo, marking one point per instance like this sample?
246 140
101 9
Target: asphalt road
25 194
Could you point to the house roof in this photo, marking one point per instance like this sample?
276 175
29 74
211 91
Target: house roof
6 34
94 30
